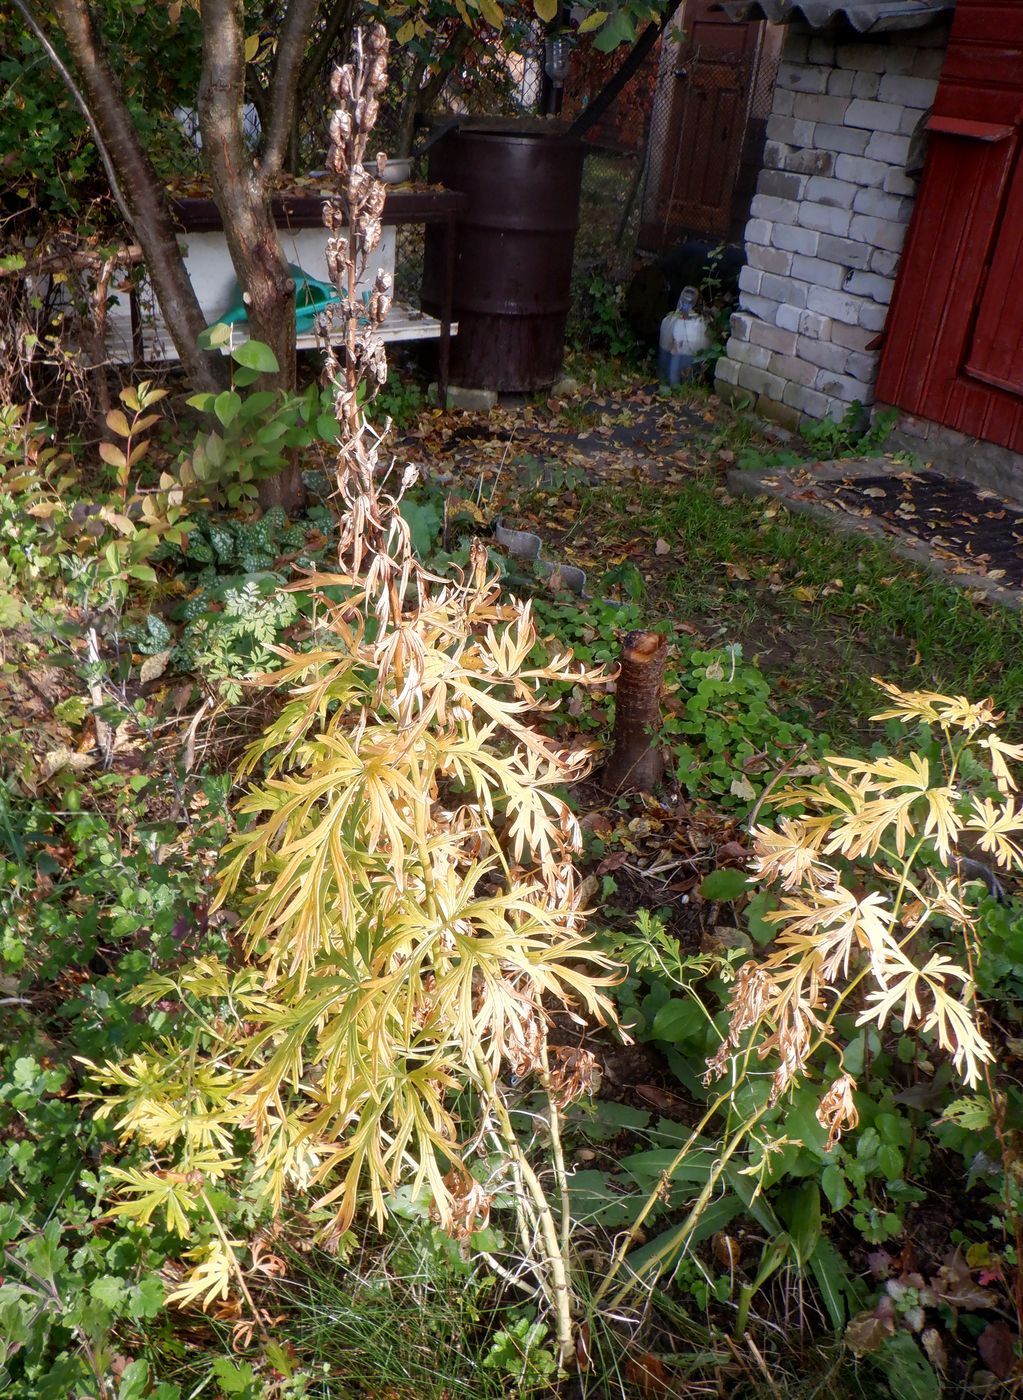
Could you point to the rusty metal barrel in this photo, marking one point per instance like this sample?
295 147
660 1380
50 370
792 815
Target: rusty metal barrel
513 254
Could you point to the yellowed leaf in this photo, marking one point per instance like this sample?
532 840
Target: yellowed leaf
251 47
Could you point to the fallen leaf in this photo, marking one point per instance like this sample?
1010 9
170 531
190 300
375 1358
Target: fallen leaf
662 547
997 1347
154 666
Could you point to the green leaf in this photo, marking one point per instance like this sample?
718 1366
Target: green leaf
255 404
835 1187
214 336
254 354
226 406
678 1020
724 885
108 1290
800 1208
143 572
909 1374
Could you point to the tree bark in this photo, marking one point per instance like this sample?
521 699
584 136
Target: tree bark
636 764
242 188
143 194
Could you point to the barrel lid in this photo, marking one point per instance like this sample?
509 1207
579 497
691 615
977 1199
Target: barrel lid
502 126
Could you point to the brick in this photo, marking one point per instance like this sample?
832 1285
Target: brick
760 382
869 284
840 386
823 354
861 171
769 259
802 77
882 206
774 155
883 262
809 107
779 184
898 182
822 51
757 356
819 272
874 116
846 251
866 84
806 161
838 194
758 231
837 305
766 206
471 400
761 307
840 82
773 337
909 92
841 139
807 401
866 57
884 145
928 63
863 367
797 240
788 317
777 412
911 120
873 316
740 325
853 337
750 279
793 370
727 371
789 130
782 102
898 58
823 218
935 36
879 233
814 326
782 289
796 45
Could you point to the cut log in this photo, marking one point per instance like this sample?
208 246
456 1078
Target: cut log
636 764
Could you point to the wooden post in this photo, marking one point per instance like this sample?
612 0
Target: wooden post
636 764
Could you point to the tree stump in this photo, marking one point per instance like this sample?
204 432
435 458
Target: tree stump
636 764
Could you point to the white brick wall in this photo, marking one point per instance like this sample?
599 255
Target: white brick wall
828 220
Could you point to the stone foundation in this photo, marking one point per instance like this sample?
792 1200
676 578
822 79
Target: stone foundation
828 220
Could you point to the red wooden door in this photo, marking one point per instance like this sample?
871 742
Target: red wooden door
706 123
953 348
996 351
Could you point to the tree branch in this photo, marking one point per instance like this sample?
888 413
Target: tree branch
291 47
592 113
340 14
136 182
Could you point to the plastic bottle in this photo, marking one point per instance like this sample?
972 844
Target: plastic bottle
683 336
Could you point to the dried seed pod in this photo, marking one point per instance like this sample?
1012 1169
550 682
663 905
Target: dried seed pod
341 83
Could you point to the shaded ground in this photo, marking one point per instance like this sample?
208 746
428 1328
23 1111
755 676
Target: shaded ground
640 492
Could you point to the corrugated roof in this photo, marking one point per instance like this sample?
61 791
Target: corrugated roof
866 16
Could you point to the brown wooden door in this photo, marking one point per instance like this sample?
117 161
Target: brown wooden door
709 105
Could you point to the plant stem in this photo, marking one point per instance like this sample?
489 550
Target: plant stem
556 1262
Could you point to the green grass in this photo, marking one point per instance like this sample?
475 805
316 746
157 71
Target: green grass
820 611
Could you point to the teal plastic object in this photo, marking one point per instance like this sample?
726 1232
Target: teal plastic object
311 297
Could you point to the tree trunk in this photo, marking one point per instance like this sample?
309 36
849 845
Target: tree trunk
144 195
636 764
242 188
